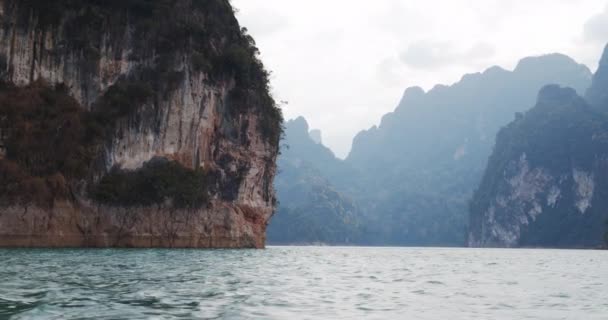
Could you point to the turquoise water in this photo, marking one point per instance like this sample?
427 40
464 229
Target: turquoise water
304 283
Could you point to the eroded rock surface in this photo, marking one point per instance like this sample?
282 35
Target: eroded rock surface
208 108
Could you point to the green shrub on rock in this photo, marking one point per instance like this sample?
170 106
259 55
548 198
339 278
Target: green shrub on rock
158 182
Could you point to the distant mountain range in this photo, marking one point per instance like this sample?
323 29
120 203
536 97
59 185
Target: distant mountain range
410 180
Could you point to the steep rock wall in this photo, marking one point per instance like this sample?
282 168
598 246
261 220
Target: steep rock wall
194 116
546 182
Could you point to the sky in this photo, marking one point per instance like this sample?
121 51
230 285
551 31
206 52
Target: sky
343 64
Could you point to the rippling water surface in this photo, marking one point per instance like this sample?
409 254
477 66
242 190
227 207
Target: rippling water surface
304 283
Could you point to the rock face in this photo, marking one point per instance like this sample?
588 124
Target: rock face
178 81
546 183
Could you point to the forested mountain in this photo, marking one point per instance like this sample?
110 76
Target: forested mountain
546 183
420 166
310 209
413 176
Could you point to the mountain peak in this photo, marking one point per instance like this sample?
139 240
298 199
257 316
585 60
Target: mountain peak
413 92
411 96
553 60
298 124
554 93
495 70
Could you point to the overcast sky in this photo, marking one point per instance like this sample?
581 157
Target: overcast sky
342 64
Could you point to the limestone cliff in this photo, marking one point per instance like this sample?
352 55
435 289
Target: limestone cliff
157 85
546 183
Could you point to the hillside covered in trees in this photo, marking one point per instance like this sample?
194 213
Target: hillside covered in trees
411 178
546 184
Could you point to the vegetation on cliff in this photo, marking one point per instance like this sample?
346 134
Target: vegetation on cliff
158 182
48 140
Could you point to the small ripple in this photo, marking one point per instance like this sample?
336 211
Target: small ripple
35 295
290 283
145 302
10 308
501 306
211 294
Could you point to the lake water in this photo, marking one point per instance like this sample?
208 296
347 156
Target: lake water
304 283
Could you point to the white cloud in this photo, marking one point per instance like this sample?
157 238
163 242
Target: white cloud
428 55
264 21
596 29
343 64
388 71
435 55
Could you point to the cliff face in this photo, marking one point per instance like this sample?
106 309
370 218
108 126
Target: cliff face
546 183
175 82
